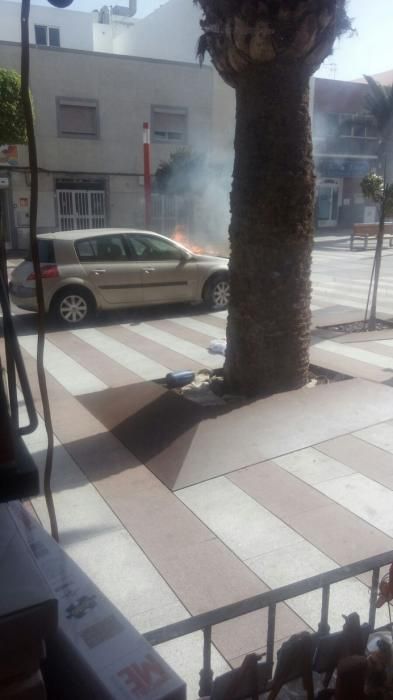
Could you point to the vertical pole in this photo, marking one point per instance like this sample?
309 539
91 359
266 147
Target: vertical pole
206 674
271 626
147 173
324 624
373 598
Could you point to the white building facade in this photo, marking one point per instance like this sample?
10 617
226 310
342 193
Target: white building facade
89 115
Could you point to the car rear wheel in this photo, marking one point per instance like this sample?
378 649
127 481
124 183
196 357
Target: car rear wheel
73 306
218 293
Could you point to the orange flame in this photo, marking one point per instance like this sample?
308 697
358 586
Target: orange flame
179 235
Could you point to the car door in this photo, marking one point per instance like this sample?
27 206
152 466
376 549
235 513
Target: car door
167 274
109 269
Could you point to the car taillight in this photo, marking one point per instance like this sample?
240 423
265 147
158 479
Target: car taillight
47 272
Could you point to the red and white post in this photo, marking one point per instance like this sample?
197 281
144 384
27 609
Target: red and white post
147 173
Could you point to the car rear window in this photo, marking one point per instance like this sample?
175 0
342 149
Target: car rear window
109 248
46 252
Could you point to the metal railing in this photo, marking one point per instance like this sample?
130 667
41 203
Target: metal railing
269 600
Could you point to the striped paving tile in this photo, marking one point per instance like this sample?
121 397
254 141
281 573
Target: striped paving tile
106 369
238 520
353 285
361 456
246 527
335 531
357 493
135 361
192 336
94 537
187 554
313 467
183 347
214 320
379 347
302 560
74 378
366 336
364 497
151 349
379 435
355 353
345 365
56 390
385 343
73 421
196 325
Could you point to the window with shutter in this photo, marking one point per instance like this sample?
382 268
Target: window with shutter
169 125
78 118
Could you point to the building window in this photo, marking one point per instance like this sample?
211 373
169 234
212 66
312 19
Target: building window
77 118
47 36
357 126
169 125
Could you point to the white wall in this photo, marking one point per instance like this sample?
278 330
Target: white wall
76 28
125 89
171 32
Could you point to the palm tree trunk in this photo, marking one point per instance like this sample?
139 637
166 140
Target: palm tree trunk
372 321
271 233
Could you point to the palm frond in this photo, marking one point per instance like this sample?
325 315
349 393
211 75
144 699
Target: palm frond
202 47
379 102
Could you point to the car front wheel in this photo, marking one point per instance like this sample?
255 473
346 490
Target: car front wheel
217 293
73 307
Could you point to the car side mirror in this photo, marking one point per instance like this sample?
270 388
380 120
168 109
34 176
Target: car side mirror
185 256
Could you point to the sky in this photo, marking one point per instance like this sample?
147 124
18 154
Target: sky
369 51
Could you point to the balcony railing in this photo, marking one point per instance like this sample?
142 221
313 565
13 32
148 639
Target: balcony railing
269 600
346 146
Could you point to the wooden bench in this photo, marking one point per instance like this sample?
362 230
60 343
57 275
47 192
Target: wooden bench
366 231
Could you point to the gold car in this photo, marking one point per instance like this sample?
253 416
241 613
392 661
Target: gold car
89 270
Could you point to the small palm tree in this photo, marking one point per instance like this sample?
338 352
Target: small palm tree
379 106
267 50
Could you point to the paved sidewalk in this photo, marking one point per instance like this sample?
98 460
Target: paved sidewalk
314 503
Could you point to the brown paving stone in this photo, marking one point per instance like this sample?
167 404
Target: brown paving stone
276 489
184 443
196 573
72 420
334 315
347 365
341 535
362 457
148 420
386 334
208 575
155 351
247 633
157 520
214 321
55 389
102 366
101 455
189 334
378 349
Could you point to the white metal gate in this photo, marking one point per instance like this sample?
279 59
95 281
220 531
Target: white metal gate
80 209
169 210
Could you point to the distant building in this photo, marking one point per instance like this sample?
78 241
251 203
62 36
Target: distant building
89 113
344 150
97 76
